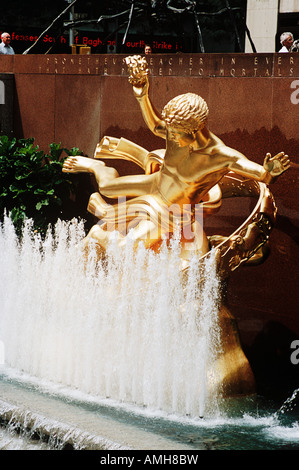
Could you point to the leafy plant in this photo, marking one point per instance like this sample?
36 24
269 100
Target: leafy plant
32 184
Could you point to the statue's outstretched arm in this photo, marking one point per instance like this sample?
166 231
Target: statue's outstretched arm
138 70
271 169
276 165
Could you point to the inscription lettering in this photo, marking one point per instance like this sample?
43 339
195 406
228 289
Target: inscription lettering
243 65
295 94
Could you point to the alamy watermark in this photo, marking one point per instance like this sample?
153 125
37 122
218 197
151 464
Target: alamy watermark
295 354
187 218
295 93
2 92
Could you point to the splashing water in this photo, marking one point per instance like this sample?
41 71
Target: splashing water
289 403
132 328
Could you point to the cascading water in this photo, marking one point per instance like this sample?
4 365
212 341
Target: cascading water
133 328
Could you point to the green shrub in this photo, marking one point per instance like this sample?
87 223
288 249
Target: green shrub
32 184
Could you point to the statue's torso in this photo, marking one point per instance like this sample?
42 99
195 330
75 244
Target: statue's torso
188 173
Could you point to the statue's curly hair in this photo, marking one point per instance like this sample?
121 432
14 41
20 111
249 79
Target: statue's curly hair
187 112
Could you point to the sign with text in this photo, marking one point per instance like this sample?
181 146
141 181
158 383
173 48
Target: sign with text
22 40
192 65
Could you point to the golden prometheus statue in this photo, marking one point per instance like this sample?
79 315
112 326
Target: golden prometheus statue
185 177
181 185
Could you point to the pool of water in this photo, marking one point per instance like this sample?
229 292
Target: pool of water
72 420
100 332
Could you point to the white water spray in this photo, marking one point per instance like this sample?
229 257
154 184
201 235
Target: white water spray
131 329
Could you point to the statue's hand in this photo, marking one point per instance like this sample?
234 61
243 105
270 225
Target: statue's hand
276 165
137 67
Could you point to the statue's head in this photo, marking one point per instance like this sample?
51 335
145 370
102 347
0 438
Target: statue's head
187 113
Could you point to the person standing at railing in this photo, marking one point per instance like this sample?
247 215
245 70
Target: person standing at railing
286 40
5 47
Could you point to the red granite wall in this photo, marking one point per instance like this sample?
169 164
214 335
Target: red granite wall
254 107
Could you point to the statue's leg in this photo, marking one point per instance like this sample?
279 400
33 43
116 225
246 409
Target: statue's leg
130 186
97 206
146 231
109 182
80 164
98 236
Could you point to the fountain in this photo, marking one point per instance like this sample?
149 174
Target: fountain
181 186
134 318
139 350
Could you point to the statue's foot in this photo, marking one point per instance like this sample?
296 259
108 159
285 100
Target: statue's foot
97 205
79 164
98 236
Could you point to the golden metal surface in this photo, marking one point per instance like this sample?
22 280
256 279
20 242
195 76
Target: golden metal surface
186 175
182 184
